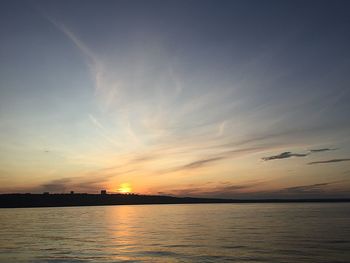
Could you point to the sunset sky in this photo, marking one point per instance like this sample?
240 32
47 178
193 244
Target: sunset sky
241 99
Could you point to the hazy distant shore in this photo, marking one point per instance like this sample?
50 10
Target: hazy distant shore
58 200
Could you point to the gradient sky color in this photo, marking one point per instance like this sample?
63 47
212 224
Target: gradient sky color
233 99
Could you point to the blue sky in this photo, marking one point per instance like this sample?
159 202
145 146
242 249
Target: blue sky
202 98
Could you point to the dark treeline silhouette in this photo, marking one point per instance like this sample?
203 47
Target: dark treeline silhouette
54 200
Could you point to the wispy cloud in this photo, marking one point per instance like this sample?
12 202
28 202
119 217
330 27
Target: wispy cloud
58 185
313 188
221 128
92 59
223 189
193 165
330 161
216 158
255 189
91 182
102 130
322 150
284 155
200 163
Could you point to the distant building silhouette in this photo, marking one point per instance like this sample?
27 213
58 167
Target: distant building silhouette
72 192
46 193
103 192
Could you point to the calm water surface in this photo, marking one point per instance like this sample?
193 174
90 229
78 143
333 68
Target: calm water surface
177 233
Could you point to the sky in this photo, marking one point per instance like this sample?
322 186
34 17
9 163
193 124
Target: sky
230 99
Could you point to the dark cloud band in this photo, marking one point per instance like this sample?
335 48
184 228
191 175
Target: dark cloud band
284 155
331 161
322 150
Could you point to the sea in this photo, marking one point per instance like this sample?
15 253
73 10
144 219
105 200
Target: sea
274 232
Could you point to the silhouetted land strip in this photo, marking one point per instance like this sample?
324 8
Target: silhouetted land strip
55 200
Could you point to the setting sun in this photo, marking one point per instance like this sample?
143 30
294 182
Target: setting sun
124 188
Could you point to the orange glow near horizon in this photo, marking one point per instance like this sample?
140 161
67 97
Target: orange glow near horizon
124 188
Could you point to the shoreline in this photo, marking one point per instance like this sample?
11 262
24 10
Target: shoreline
71 200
